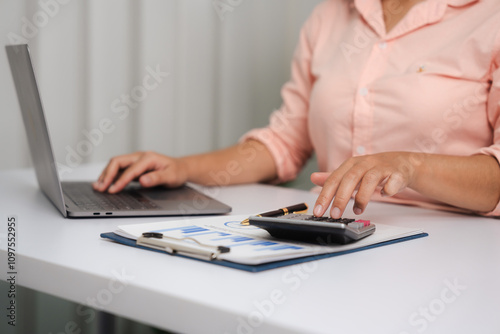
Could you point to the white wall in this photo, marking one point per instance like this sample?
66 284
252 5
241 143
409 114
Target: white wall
225 71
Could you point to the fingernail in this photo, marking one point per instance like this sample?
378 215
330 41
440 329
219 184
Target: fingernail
112 188
335 213
357 211
317 210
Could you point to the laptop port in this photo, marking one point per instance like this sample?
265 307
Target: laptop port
97 213
109 213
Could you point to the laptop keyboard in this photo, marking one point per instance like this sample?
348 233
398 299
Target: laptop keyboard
89 200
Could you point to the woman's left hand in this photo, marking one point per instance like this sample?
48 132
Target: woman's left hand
392 171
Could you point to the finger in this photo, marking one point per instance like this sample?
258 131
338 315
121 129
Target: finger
325 197
145 163
112 170
395 183
319 178
348 184
165 177
112 176
329 187
371 180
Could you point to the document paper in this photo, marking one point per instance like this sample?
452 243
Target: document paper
250 244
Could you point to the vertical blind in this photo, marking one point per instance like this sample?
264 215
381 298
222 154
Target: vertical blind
115 76
173 76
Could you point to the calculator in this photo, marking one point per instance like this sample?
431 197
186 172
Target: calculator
320 230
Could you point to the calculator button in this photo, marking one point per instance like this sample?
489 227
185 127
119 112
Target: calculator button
317 219
365 222
345 220
356 225
330 220
359 223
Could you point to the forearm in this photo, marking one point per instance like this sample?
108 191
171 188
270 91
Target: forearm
246 162
470 182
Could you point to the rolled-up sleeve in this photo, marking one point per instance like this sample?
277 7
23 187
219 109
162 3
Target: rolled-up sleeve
287 135
494 116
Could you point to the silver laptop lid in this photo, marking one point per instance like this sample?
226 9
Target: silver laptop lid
34 122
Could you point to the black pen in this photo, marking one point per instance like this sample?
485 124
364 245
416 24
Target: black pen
297 208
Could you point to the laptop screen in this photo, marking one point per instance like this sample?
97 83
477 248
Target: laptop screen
34 123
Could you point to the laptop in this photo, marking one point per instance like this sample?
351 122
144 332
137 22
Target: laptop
78 199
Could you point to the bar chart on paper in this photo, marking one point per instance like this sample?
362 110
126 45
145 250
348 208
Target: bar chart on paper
251 245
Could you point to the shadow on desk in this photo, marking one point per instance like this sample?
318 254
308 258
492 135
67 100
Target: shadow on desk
36 312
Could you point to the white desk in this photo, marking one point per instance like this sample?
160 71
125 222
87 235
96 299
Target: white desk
400 288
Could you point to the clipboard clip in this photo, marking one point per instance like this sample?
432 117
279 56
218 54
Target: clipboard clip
185 246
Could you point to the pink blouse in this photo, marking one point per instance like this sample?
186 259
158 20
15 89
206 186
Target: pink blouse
432 84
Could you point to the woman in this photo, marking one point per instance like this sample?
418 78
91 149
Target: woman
398 98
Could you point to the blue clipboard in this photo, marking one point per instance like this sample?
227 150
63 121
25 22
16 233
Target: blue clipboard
264 266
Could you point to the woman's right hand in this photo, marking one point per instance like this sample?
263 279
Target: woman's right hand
149 168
